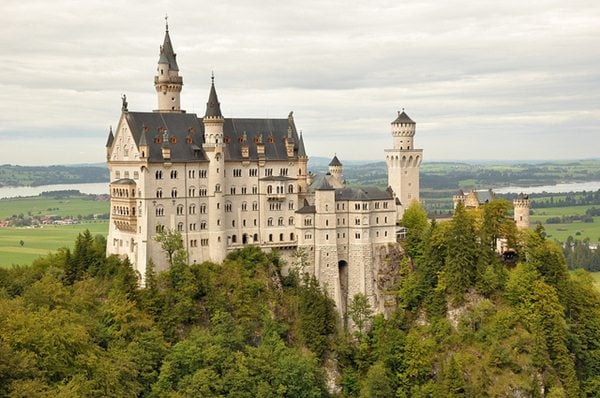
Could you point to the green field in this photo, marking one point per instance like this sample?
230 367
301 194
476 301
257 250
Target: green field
44 206
561 232
41 241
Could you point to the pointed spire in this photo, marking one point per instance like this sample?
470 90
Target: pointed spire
335 161
167 55
111 138
301 150
403 118
143 141
213 107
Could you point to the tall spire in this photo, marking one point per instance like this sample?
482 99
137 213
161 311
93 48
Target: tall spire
301 150
213 107
167 55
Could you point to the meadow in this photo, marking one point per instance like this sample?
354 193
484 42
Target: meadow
561 232
45 206
41 241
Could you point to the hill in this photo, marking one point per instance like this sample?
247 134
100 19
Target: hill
16 176
466 323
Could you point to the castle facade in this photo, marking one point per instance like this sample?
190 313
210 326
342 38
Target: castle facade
224 183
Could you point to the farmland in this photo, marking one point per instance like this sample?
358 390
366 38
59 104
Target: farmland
41 241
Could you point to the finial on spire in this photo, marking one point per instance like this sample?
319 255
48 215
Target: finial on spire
166 22
212 77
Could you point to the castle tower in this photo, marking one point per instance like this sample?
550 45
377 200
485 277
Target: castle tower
521 206
403 162
458 197
167 81
214 147
326 255
303 176
336 169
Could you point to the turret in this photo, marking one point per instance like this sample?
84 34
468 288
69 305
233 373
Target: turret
521 206
336 169
167 81
403 163
403 131
213 118
458 197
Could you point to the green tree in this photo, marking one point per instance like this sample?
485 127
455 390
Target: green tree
360 312
415 220
172 244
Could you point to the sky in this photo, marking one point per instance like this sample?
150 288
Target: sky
483 80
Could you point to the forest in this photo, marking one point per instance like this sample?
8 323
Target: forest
467 322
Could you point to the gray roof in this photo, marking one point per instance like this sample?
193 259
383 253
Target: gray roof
307 208
335 161
278 178
124 181
403 118
188 131
213 107
324 185
485 195
362 194
167 55
110 139
184 131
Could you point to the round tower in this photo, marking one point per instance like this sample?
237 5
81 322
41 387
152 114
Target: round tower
403 163
336 169
214 147
403 131
167 81
458 197
521 205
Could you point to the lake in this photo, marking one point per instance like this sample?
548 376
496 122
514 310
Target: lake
96 188
556 188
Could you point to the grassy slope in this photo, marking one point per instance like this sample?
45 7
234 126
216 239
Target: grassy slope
41 241
596 276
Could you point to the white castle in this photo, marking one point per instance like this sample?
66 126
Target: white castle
224 183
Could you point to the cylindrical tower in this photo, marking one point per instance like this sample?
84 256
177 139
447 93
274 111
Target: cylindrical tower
167 81
521 213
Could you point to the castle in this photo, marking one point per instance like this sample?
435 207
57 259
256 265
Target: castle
224 183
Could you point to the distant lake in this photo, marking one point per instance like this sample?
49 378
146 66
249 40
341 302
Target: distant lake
556 188
96 188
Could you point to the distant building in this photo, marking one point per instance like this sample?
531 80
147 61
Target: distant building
224 183
477 198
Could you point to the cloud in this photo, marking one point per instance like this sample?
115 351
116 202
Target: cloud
481 79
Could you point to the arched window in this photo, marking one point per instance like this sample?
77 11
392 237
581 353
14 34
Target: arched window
173 174
290 188
269 189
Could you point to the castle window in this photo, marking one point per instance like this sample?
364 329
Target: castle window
237 172
232 190
192 209
227 207
357 206
253 172
174 192
255 238
270 189
326 223
192 192
308 221
254 189
202 224
268 172
173 138
192 226
244 206
159 193
173 174
270 237
292 236
203 209
281 237
385 220
218 188
357 235
160 228
255 222
254 206
326 236
385 205
179 210
270 222
280 221
290 188
233 239
203 242
202 173
291 221
271 139
291 205
191 173
203 191
180 227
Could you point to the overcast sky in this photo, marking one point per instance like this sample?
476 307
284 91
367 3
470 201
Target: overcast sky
482 79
